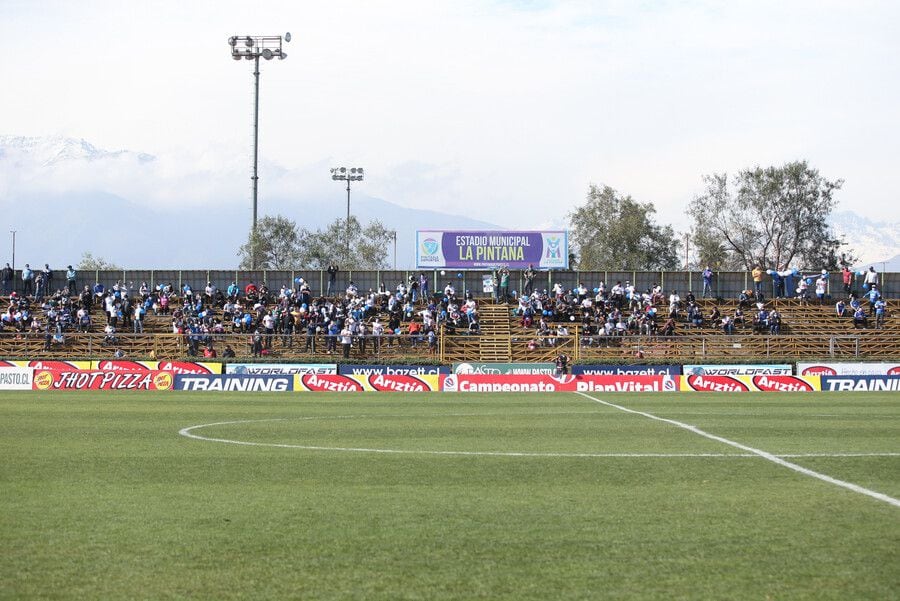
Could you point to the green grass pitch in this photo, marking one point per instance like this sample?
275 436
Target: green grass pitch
446 496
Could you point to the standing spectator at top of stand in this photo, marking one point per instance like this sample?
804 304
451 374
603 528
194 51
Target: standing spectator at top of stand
707 282
757 280
332 278
871 278
529 280
71 283
27 281
6 277
847 278
504 284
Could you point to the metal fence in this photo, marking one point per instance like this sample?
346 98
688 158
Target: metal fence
725 284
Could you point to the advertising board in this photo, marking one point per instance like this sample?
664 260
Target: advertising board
234 382
175 367
405 370
760 383
369 382
40 364
477 249
16 378
848 369
626 370
504 368
544 383
737 370
101 380
861 383
280 368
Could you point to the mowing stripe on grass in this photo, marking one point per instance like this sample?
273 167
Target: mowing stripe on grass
770 457
188 432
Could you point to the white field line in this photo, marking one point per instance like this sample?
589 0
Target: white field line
188 432
768 456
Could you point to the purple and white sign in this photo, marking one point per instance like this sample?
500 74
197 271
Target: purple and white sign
476 249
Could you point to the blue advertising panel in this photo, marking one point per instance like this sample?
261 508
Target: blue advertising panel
234 383
392 370
477 249
626 370
860 383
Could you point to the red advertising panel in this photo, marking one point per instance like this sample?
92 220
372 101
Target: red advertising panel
760 383
368 382
175 367
713 384
326 382
545 383
401 382
101 380
782 384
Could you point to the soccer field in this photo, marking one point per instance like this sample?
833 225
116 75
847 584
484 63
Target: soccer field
449 496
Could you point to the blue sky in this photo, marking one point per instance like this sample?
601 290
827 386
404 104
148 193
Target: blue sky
504 111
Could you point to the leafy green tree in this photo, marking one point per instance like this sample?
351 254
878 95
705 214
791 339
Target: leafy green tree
275 245
774 216
90 263
368 248
611 231
279 244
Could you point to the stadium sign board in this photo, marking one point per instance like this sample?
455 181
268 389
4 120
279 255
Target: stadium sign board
861 383
479 249
848 369
737 370
404 370
504 368
280 368
626 370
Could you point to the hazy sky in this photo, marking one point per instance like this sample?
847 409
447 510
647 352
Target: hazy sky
504 111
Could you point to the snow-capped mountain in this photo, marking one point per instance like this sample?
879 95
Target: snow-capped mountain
51 150
871 242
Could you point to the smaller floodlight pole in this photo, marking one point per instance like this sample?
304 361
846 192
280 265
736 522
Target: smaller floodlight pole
342 174
251 48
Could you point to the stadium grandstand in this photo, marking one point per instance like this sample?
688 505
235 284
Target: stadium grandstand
428 316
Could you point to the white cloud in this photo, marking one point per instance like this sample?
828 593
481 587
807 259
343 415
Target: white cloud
507 109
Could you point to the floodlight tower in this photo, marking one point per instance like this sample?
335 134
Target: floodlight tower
252 48
343 174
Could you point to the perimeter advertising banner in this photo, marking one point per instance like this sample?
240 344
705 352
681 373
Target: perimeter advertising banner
848 369
38 364
738 370
861 383
370 382
477 249
101 380
760 383
567 383
175 367
397 370
234 382
504 368
16 378
280 368
627 370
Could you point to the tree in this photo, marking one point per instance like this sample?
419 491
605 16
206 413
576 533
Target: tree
275 245
611 231
89 263
279 244
775 217
368 245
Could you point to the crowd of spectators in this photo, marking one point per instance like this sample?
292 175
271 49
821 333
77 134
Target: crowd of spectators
408 314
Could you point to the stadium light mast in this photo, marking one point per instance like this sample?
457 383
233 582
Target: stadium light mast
13 232
343 174
252 48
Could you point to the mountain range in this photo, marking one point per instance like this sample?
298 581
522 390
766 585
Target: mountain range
64 197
